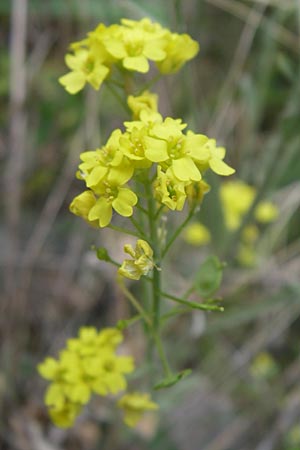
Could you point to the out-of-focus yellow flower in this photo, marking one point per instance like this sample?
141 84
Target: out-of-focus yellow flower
197 234
88 365
65 416
142 261
263 365
134 406
236 198
179 49
266 212
147 101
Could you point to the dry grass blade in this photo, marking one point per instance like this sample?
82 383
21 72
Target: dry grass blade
280 33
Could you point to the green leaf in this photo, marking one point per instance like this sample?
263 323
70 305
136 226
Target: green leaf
209 277
170 381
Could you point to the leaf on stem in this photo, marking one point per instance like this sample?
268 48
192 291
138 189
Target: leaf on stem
173 379
209 277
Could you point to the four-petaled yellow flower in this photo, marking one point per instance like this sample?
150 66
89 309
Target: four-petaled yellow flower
121 199
141 262
134 405
144 102
86 67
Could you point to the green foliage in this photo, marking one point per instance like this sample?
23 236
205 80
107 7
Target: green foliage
172 380
209 277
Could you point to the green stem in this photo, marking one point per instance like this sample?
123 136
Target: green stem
194 305
143 210
159 210
162 355
138 227
156 281
117 96
135 303
149 84
178 231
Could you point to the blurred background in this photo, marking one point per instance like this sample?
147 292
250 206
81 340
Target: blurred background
243 89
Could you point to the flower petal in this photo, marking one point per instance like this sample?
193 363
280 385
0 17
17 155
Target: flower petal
218 166
138 63
124 202
185 169
102 210
96 175
156 149
73 82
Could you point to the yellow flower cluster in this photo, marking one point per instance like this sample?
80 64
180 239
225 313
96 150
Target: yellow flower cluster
151 142
130 46
236 199
88 365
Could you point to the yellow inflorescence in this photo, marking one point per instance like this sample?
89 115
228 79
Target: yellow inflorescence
180 160
88 365
130 46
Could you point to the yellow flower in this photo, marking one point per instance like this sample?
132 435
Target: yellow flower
106 163
195 191
197 234
132 145
112 197
107 372
49 369
134 405
179 49
88 365
65 416
142 261
145 25
82 204
169 190
170 147
134 48
213 159
263 365
146 101
236 197
266 212
86 67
